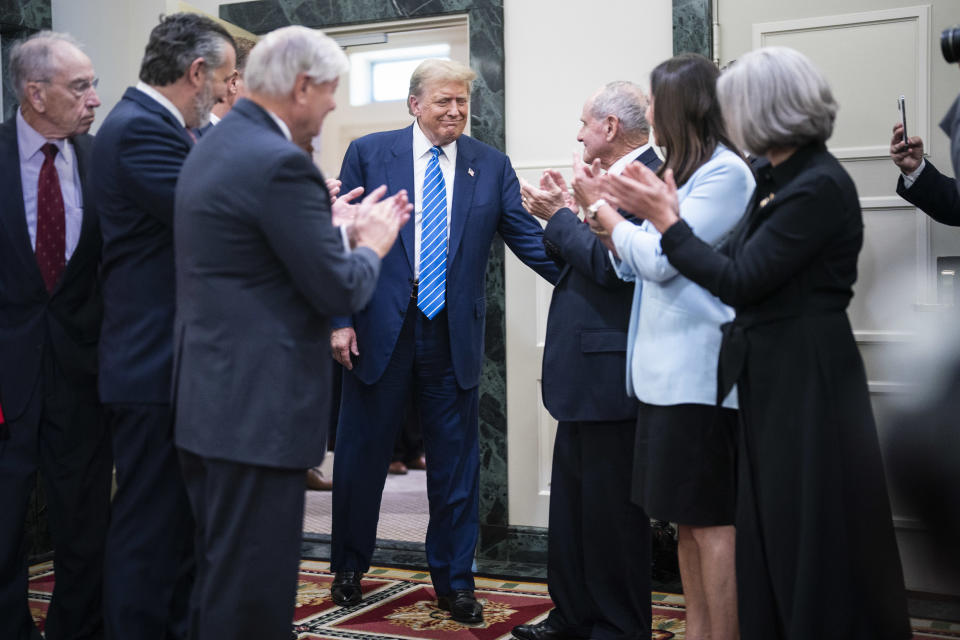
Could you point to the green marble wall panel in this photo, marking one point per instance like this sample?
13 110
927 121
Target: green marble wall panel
693 27
18 19
486 124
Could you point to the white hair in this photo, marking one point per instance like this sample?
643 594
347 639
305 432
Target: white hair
282 54
32 60
776 98
627 102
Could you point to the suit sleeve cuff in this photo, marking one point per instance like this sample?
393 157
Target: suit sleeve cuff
675 235
910 178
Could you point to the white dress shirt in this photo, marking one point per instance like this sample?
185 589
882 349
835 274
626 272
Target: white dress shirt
617 167
29 143
164 102
448 162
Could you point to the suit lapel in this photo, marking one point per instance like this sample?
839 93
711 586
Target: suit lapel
12 214
88 229
150 104
650 159
400 176
464 183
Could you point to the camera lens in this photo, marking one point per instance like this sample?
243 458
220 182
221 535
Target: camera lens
950 44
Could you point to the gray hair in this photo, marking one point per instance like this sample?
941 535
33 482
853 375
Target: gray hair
177 41
283 53
32 59
440 70
776 98
627 102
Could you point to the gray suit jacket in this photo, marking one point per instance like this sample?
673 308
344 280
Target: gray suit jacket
259 268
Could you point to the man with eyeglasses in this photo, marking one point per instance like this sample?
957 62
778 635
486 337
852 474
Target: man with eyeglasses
50 312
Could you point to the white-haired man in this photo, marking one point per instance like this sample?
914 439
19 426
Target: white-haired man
598 556
50 309
260 268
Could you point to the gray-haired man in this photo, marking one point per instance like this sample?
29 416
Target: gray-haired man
50 310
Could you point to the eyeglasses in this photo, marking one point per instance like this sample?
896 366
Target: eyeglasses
79 88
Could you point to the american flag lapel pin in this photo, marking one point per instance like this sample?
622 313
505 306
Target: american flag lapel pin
470 172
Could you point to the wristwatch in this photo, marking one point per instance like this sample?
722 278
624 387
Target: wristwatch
592 209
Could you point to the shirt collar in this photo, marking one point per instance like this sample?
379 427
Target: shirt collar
164 102
214 118
422 145
280 123
617 167
30 141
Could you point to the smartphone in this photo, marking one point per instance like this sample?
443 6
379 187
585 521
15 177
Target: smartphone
902 106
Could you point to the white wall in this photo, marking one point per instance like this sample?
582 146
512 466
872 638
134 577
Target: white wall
114 34
558 53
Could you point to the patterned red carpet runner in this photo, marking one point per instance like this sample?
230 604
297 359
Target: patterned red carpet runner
400 604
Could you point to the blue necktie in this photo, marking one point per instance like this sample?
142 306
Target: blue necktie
431 292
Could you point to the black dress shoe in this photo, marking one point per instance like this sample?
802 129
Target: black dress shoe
541 631
345 590
462 605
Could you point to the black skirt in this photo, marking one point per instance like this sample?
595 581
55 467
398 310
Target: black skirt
684 464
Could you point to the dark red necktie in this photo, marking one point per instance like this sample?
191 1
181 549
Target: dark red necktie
51 221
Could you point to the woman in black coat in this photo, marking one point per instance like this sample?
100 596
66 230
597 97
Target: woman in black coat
816 553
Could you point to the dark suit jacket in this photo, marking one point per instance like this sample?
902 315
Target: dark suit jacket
260 268
584 355
486 200
137 157
935 194
66 322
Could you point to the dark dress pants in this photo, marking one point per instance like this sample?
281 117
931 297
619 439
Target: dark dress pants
62 434
249 523
598 547
370 417
149 567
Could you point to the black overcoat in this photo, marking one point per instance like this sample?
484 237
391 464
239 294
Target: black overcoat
816 553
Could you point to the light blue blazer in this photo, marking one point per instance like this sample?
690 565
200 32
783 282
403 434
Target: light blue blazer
673 342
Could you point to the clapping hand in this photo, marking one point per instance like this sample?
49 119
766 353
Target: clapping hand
548 199
640 192
588 181
342 211
378 222
333 186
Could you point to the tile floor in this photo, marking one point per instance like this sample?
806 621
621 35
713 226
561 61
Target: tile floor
403 512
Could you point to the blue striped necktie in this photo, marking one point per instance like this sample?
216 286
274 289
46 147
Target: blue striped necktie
431 292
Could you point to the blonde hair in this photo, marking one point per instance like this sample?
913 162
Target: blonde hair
442 70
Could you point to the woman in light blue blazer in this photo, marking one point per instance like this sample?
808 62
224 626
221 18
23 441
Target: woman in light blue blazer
684 464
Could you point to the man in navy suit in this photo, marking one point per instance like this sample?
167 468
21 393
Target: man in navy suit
260 269
50 310
423 331
137 158
598 556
